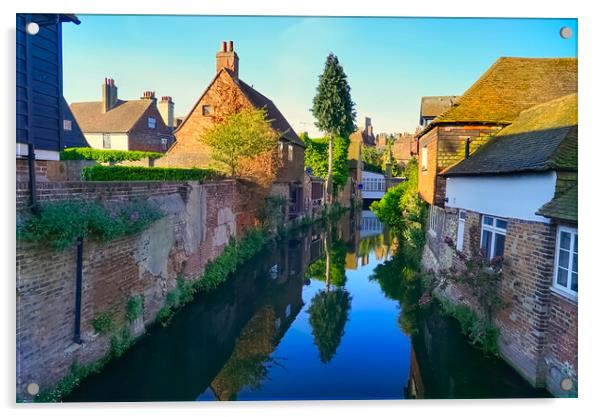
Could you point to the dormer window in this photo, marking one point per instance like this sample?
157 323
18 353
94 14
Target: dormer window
152 123
207 110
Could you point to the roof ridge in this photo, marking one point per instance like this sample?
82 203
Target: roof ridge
547 103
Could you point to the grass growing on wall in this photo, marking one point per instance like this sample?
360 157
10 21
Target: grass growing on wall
127 173
101 155
59 224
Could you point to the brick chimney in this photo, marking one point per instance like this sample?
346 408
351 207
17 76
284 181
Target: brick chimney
166 109
109 94
227 58
148 95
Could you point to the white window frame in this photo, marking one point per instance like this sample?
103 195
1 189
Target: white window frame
280 150
152 123
424 158
290 152
567 291
494 230
67 125
164 143
106 139
461 227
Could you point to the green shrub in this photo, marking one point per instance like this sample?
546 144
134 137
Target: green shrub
103 323
120 343
134 307
102 155
126 173
479 331
61 223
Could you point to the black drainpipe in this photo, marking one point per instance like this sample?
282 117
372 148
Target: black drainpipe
78 290
466 148
33 197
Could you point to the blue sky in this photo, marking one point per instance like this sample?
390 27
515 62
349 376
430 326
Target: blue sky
390 62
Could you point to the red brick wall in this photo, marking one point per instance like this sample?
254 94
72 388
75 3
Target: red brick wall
143 138
538 328
447 142
22 166
199 220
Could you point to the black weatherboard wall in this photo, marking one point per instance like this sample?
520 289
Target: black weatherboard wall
39 76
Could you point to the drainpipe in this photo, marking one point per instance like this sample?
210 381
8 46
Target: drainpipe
466 148
33 197
78 291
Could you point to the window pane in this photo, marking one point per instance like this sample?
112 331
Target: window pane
462 215
565 240
498 249
501 223
574 262
575 243
488 220
574 282
562 277
563 259
486 243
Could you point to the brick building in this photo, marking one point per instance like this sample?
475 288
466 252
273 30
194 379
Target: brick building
126 125
508 87
516 198
227 94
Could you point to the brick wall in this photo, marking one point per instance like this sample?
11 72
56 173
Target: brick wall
538 327
446 146
22 169
143 138
199 221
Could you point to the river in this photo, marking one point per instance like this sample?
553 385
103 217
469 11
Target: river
279 330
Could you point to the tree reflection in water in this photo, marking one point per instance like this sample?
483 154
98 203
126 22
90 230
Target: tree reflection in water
329 308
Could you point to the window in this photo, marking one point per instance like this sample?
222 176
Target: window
106 141
461 224
425 155
280 150
493 236
67 124
152 123
565 265
290 152
164 143
206 110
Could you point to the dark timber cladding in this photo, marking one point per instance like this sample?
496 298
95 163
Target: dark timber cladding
39 83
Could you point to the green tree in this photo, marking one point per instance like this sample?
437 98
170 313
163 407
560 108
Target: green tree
372 158
316 157
242 135
333 109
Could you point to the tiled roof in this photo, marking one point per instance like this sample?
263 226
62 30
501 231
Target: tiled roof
435 105
278 120
120 119
542 138
562 206
510 86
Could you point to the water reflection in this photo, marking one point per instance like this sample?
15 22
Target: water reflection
331 314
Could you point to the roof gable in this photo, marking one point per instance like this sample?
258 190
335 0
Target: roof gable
120 119
257 100
542 138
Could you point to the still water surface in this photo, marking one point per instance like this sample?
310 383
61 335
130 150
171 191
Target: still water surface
278 330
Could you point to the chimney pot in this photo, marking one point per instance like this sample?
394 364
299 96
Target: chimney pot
224 46
231 46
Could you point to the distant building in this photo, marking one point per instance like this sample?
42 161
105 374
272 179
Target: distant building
126 125
404 147
365 135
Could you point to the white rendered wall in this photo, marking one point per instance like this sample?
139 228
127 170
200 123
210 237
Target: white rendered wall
513 196
119 141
